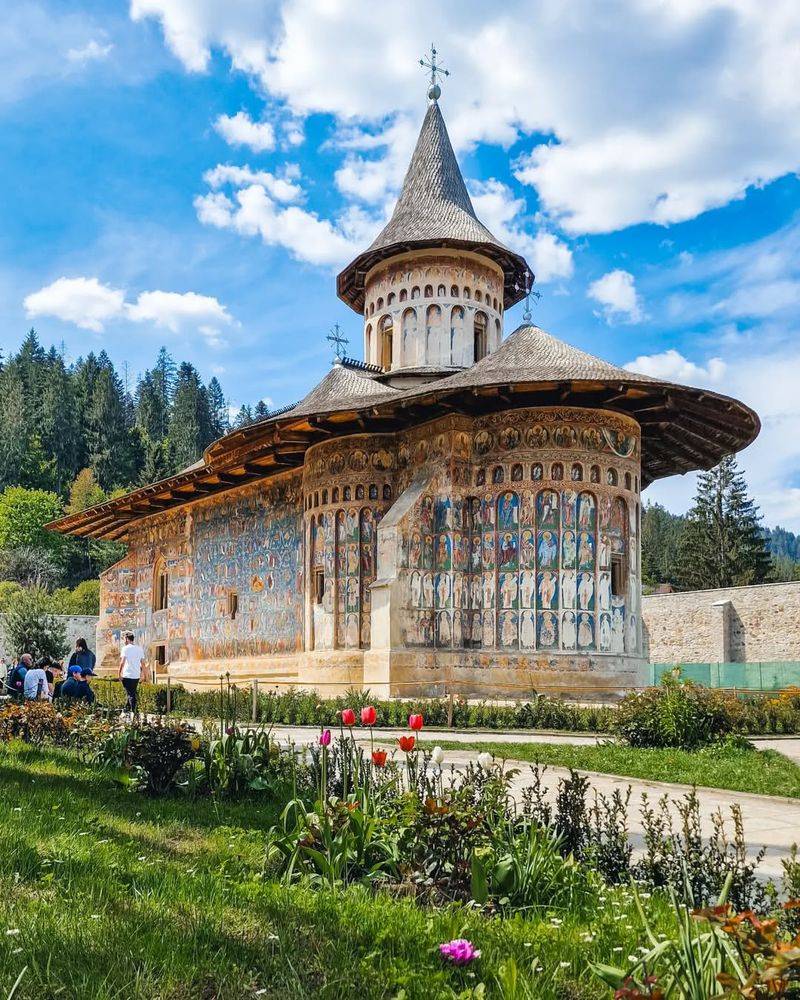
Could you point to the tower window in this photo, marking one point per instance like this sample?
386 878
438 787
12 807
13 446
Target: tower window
319 585
233 605
441 291
454 291
480 349
386 342
429 291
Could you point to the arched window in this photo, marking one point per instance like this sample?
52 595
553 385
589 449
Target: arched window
160 585
467 293
636 483
335 495
576 473
433 331
387 492
372 308
480 477
497 333
454 291
594 474
346 493
429 291
386 343
324 497
403 295
409 334
537 472
480 349
390 298
441 291
359 492
379 303
415 292
316 499
368 344
628 480
478 296
494 304
516 473
611 477
557 471
456 333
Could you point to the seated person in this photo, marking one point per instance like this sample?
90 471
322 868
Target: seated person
55 678
16 678
76 686
35 686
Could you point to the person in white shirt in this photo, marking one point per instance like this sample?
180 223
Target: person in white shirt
131 668
35 686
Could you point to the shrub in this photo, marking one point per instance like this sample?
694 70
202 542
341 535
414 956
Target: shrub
82 600
158 751
35 722
31 626
676 714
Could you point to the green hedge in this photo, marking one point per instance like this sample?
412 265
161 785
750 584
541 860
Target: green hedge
756 715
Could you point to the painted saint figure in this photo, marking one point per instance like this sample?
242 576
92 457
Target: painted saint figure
547 549
568 633
547 589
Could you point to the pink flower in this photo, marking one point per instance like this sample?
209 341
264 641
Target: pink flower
325 738
368 715
459 952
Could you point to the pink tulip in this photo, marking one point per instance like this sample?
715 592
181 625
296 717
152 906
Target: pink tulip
325 738
368 716
415 722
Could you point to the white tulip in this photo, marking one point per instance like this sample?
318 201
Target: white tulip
437 755
485 760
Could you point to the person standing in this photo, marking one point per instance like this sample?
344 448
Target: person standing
131 665
82 657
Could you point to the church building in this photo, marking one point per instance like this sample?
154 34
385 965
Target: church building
457 511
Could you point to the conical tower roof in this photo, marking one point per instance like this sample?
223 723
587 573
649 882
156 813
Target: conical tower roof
434 210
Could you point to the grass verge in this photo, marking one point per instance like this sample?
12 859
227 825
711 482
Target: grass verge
764 772
107 895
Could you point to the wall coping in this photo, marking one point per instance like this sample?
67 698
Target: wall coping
723 590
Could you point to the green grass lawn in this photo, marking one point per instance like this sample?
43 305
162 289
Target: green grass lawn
764 772
106 894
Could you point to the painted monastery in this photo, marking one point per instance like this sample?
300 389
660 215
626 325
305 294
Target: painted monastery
457 510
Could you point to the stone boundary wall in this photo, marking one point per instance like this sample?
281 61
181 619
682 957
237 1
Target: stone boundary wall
734 625
77 626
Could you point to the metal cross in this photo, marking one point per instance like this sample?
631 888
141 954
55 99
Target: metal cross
434 91
526 314
335 337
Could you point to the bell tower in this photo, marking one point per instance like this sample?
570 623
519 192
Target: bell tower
435 283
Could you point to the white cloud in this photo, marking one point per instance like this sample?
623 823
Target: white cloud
617 295
93 51
241 130
83 301
672 366
280 188
657 111
91 305
302 233
497 208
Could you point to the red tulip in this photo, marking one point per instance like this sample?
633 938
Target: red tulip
415 722
348 717
379 758
368 715
406 743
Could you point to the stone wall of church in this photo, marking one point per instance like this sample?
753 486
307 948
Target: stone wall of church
423 308
235 584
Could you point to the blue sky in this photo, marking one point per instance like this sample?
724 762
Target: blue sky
194 173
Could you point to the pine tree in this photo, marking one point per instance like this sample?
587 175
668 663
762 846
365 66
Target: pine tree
661 534
723 543
165 381
111 446
218 408
190 429
244 416
261 410
59 423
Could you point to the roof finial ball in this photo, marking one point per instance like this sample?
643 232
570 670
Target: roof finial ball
436 69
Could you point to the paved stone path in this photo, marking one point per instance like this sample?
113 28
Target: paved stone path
769 821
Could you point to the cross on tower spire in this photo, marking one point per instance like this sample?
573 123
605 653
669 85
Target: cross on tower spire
336 337
436 69
529 293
